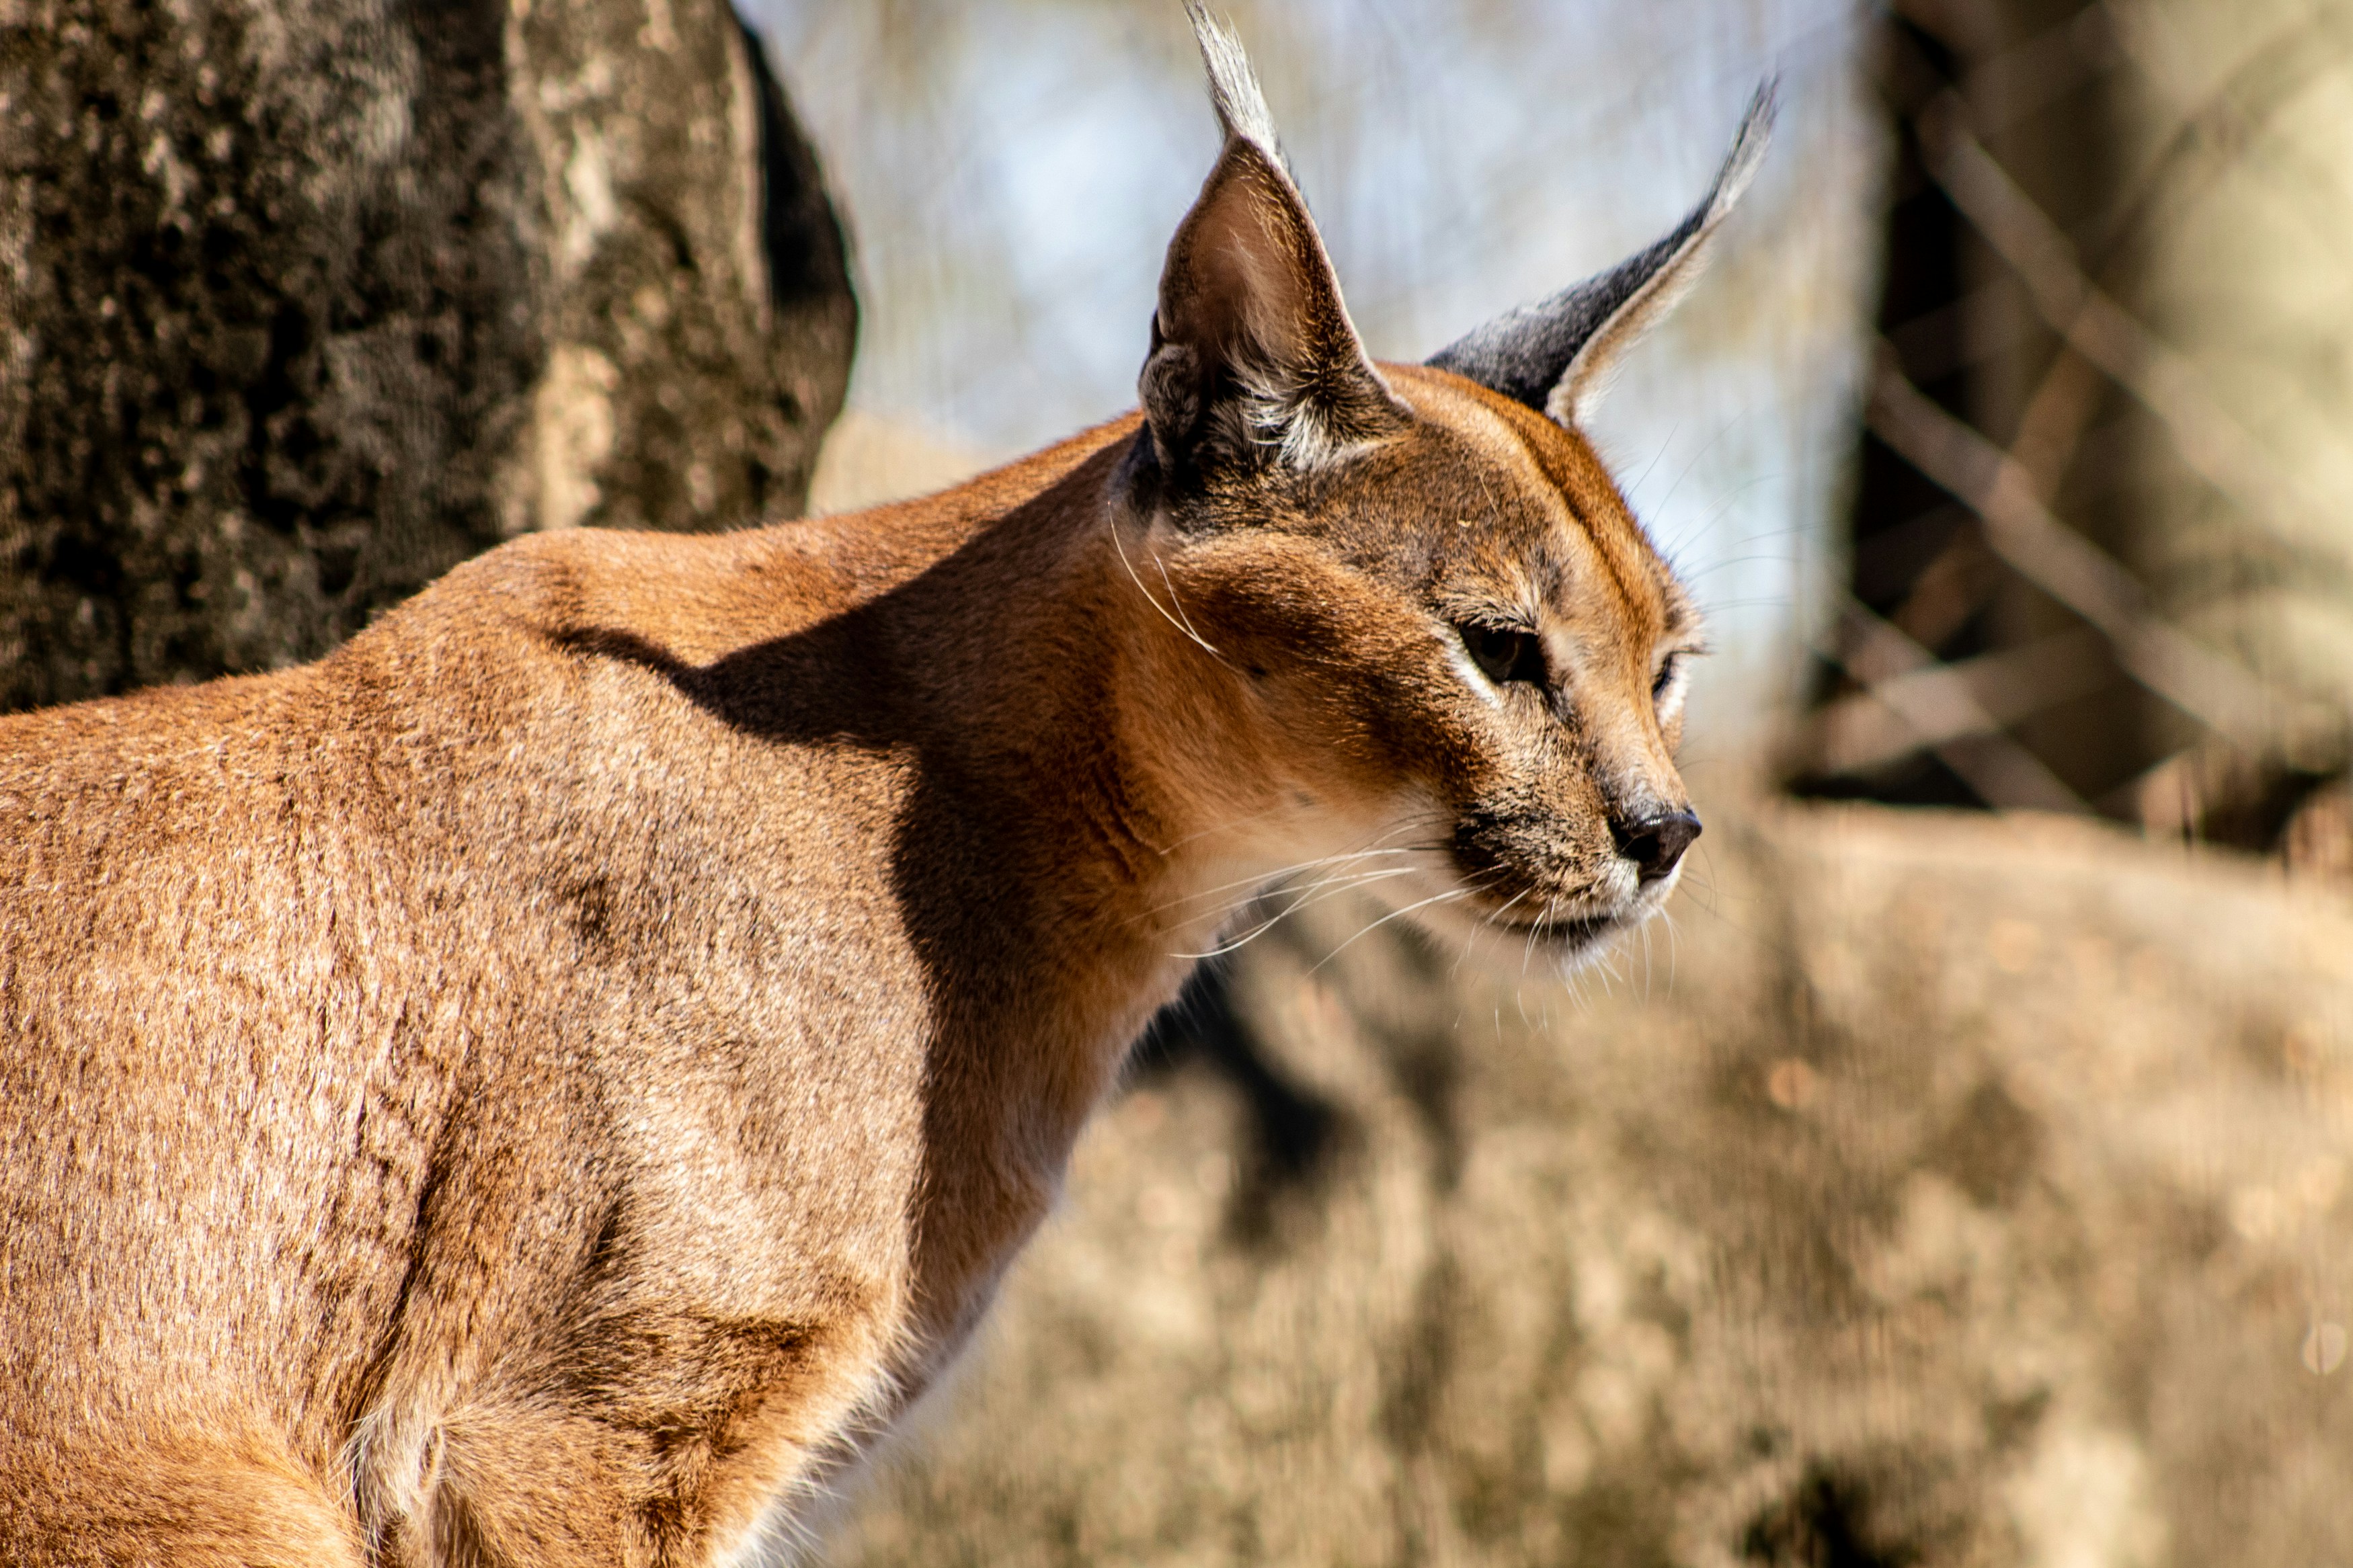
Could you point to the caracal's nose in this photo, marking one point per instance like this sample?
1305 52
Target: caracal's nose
1656 844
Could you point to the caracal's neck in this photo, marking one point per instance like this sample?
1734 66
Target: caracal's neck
1057 874
1066 721
1060 723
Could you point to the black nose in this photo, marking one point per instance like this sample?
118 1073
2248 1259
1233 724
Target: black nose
1656 843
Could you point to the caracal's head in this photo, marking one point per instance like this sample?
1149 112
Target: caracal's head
1432 652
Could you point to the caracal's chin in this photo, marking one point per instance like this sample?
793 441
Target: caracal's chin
1400 864
1564 933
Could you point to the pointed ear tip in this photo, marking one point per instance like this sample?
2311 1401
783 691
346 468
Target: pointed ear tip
1234 91
1534 354
1750 142
1763 114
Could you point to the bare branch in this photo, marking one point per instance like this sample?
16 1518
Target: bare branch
2220 694
1941 707
2214 445
1928 706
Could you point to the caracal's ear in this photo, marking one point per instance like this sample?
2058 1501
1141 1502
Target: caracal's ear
1253 357
1559 355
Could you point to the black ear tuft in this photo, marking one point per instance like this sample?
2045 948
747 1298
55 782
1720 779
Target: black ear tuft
1559 355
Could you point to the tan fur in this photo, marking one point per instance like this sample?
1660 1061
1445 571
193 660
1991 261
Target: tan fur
547 1083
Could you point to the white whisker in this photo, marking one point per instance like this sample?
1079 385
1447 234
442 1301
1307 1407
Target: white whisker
1315 892
1188 631
1268 879
1451 893
1529 954
1271 878
1162 567
1489 919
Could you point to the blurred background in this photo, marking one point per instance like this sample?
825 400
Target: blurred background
1957 1176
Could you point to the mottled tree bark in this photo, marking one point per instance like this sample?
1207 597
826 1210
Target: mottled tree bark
303 301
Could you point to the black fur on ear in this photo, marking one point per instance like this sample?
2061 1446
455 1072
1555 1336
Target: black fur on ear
1559 355
1253 357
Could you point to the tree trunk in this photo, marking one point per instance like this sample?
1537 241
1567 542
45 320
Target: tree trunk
303 301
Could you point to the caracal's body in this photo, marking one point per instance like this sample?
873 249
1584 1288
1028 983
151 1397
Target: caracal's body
548 1083
531 1040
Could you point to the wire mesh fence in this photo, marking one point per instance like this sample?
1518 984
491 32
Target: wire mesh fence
2096 561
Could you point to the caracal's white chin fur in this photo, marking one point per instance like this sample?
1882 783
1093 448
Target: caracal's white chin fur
1403 869
1567 935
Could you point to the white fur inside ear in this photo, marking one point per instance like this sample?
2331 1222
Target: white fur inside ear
1594 370
1280 414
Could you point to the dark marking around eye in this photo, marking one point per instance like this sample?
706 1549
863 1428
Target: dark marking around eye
1505 654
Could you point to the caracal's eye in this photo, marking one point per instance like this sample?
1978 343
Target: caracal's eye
1665 681
1505 654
